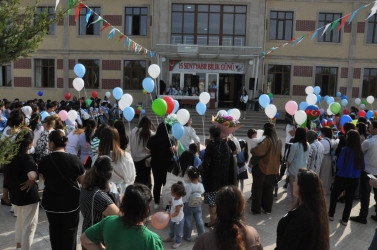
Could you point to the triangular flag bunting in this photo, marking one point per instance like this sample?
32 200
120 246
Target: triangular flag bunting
78 11
99 19
343 21
56 4
120 38
354 13
107 25
140 48
111 33
373 10
326 27
298 41
88 16
70 4
316 31
124 44
334 23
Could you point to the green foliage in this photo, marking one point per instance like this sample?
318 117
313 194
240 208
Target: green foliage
9 147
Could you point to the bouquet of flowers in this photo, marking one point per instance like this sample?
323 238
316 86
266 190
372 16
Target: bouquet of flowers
227 124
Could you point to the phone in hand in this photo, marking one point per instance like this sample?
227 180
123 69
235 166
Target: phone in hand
371 176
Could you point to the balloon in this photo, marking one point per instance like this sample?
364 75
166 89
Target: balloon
122 104
228 111
370 99
375 113
271 100
291 107
300 117
338 94
117 93
303 105
235 113
178 130
63 115
362 113
129 113
204 98
201 108
72 115
139 108
312 112
344 97
159 107
357 101
183 116
127 99
335 108
369 114
88 102
153 71
40 93
277 115
344 119
108 94
346 111
330 100
270 95
319 98
354 122
309 90
176 107
362 106
160 220
148 84
324 122
364 102
325 98
94 94
67 96
44 114
137 111
264 100
344 102
311 99
321 111
142 111
317 90
27 110
145 92
330 123
222 112
271 111
170 102
78 84
79 70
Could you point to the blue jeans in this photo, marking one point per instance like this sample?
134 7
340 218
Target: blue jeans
176 229
191 212
373 244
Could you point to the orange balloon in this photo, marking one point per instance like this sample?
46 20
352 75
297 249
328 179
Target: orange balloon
160 220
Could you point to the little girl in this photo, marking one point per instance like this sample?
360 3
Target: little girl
242 158
176 214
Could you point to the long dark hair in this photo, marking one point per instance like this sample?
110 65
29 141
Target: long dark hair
270 132
99 175
144 129
215 132
90 126
109 141
25 138
35 121
123 138
230 229
300 137
354 143
313 203
245 149
362 128
162 131
327 132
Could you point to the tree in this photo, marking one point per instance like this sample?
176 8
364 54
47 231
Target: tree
22 28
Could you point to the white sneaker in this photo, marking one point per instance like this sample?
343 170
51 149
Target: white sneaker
176 245
156 206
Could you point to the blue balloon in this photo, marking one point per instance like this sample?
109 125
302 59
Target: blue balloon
40 93
264 100
176 107
317 90
79 70
117 93
330 100
319 98
344 97
129 113
277 115
229 111
148 84
201 108
303 106
370 114
338 94
344 102
345 118
177 130
325 98
142 111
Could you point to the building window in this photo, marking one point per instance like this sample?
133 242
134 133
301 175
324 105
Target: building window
44 73
51 14
327 79
136 21
281 25
279 78
5 76
369 82
208 24
332 36
84 27
133 74
91 77
372 29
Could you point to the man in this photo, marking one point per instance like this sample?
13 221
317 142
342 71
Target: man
369 147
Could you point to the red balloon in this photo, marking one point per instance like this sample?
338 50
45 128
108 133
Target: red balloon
67 96
170 102
160 220
346 111
137 111
362 113
94 94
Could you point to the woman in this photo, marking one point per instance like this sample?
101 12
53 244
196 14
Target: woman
61 173
35 126
22 172
41 148
305 227
123 138
244 99
231 231
315 152
73 138
362 128
94 144
189 136
124 168
161 148
297 158
86 154
326 172
349 164
264 174
138 141
216 165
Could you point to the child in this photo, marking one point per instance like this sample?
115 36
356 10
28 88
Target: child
193 200
242 158
176 214
206 143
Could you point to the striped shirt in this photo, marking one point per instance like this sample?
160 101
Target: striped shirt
94 145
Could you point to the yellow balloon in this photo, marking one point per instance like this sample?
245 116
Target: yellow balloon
144 91
354 122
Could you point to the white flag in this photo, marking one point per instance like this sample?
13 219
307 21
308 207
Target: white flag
327 26
373 10
57 3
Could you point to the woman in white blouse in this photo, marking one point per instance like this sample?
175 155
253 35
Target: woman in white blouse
326 171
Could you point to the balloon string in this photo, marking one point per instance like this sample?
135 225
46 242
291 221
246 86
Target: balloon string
129 127
171 146
158 122
204 135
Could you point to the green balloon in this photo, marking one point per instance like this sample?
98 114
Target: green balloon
335 108
364 102
88 102
304 124
270 95
159 107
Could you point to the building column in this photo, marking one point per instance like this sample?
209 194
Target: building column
66 51
352 48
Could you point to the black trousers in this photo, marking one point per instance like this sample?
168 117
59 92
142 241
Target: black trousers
343 184
143 174
262 191
63 230
159 171
365 189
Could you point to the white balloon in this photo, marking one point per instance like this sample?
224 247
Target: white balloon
222 112
370 99
122 104
329 111
362 106
260 133
357 101
27 110
154 70
72 115
300 117
108 94
78 83
183 116
127 100
172 116
309 90
235 113
311 99
271 111
204 98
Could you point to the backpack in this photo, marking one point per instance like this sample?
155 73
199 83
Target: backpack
195 199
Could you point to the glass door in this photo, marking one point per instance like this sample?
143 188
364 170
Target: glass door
212 85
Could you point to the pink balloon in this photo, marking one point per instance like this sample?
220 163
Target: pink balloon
160 220
63 115
291 107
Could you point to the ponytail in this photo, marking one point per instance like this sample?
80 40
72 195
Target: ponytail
91 125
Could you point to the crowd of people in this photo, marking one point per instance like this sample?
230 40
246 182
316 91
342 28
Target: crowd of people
93 167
